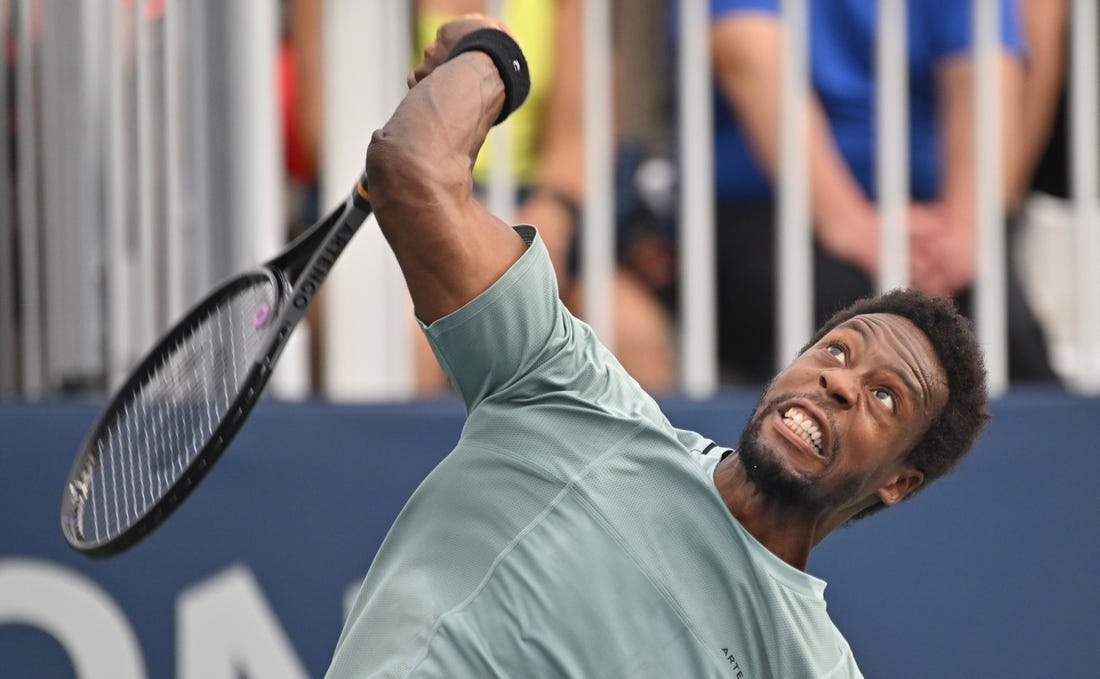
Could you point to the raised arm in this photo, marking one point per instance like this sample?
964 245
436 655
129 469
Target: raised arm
449 247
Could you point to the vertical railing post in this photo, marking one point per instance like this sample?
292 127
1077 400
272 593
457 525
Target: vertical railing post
990 313
119 276
204 271
179 254
892 143
31 296
8 359
1085 185
257 208
84 218
794 273
365 358
149 319
501 191
598 235
697 261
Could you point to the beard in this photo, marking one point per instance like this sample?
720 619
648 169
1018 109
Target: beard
767 470
764 468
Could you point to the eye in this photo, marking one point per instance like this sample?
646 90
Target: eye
886 397
838 351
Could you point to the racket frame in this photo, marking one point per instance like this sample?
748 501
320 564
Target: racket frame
296 274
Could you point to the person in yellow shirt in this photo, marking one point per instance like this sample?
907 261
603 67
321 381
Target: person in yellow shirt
547 163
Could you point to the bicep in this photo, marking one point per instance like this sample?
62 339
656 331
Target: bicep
745 49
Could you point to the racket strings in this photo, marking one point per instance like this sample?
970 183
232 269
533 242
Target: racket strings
173 413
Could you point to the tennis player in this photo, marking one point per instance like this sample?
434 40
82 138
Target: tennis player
573 531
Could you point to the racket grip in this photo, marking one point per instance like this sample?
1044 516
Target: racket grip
361 196
509 60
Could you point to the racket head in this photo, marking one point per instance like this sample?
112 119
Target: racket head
174 416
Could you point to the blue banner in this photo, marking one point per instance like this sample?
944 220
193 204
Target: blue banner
987 573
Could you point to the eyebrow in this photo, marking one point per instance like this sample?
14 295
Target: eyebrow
915 391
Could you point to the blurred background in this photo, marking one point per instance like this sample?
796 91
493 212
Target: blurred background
712 179
153 149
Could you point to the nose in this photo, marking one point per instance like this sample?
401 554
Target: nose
840 386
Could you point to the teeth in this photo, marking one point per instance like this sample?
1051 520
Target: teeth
804 426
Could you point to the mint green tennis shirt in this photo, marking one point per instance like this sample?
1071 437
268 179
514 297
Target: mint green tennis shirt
572 531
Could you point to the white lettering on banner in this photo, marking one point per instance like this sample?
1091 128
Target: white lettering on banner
76 612
225 629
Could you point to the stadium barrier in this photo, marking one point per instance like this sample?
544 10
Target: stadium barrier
988 573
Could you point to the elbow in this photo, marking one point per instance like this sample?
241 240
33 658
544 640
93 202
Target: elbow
403 176
388 159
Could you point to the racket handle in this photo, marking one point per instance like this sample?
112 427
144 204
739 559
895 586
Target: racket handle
509 60
361 196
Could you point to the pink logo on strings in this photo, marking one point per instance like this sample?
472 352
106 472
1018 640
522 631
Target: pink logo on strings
263 315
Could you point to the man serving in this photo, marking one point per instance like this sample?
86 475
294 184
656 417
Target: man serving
573 531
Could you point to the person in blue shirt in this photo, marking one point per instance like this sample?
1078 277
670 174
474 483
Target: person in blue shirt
746 46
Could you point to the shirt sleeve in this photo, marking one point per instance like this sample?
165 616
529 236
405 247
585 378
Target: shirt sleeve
506 332
953 27
720 7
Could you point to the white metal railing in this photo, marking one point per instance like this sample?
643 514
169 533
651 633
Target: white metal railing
698 299
1085 182
990 307
892 144
27 159
147 158
8 346
598 235
794 272
501 190
368 355
116 159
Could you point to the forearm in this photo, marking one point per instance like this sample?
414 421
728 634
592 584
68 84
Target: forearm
944 256
836 198
956 85
449 248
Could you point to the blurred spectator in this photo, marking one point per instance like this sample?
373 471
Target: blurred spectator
1043 222
746 47
300 91
1042 159
548 165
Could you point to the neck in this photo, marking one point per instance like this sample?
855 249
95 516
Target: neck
787 531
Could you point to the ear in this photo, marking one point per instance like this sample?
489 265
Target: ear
900 484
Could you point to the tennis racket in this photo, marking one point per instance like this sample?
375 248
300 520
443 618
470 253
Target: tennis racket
183 404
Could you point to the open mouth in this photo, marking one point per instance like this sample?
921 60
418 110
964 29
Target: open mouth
805 425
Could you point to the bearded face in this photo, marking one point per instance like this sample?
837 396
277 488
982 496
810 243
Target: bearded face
774 477
832 430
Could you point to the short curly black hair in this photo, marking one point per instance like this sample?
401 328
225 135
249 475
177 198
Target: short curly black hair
953 431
